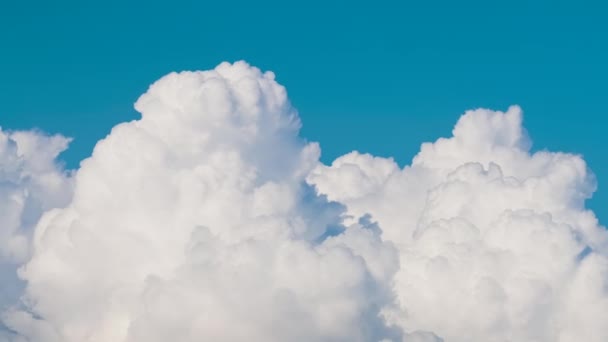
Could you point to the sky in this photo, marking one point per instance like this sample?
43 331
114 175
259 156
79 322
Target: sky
393 74
413 171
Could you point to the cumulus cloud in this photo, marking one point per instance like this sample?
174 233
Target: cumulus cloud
31 183
210 218
494 242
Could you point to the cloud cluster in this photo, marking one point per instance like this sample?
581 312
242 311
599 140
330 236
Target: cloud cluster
31 183
495 243
210 219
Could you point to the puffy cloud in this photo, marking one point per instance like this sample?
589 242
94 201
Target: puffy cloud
494 241
196 223
210 219
30 184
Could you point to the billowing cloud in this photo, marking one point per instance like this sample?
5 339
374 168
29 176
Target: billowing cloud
495 243
31 183
211 219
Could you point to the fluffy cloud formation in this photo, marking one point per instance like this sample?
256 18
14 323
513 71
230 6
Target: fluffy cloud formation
211 219
196 223
495 243
31 183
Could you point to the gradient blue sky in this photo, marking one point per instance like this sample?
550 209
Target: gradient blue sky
379 76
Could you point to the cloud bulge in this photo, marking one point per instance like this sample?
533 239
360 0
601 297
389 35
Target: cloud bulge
210 218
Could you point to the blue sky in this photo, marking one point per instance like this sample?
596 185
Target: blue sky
379 77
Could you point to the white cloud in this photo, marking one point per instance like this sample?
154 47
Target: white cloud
202 221
195 222
30 184
493 241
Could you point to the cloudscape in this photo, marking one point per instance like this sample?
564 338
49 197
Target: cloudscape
211 219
